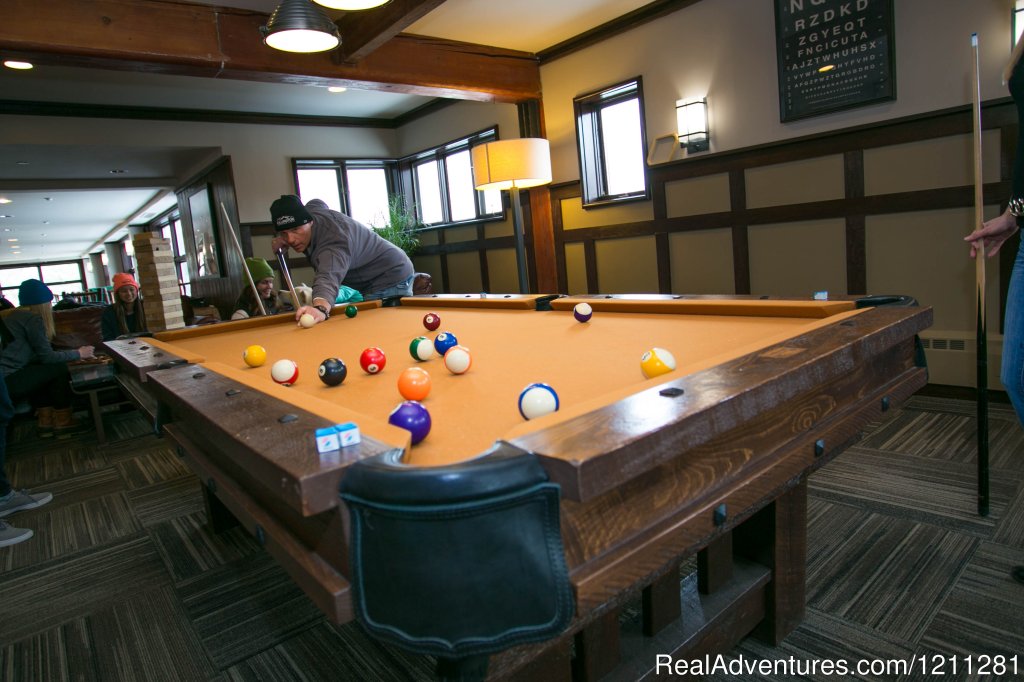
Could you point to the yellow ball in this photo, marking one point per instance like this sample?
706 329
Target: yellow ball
255 356
657 361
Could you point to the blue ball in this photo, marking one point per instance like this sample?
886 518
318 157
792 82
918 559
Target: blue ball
537 400
412 417
444 341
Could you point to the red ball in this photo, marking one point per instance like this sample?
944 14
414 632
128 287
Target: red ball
431 321
372 360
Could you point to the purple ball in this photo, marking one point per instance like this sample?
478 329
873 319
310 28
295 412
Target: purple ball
412 417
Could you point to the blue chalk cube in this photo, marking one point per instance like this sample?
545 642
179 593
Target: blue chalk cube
348 434
327 439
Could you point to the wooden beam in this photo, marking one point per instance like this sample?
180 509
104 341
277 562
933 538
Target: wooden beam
363 32
201 40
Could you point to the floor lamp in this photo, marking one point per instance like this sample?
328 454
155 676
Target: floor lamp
513 165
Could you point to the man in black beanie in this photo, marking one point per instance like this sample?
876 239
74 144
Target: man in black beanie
341 251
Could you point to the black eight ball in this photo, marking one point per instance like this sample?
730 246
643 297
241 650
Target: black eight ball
332 371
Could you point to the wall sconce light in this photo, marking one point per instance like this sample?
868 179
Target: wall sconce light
300 26
692 124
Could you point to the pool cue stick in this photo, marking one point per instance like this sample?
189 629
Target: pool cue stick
979 272
241 254
283 262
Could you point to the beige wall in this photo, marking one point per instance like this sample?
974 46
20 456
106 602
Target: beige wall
455 121
725 49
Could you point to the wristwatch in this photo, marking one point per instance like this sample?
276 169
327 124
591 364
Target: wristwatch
325 310
1016 207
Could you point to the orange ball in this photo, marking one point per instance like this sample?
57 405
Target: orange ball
414 383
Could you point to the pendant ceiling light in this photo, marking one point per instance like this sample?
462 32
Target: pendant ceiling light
351 4
300 26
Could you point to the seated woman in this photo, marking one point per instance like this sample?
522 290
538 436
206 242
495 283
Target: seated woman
263 278
125 315
31 369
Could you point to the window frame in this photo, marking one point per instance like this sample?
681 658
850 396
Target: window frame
590 150
8 292
171 220
439 155
341 166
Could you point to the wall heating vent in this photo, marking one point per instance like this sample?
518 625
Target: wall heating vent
944 344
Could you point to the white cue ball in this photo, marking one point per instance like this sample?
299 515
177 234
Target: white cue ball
307 320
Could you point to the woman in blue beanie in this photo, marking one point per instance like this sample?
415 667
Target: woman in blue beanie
31 368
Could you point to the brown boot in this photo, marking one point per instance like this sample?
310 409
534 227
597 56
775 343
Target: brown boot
65 424
44 424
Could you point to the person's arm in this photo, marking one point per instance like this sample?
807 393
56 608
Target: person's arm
331 259
994 232
35 335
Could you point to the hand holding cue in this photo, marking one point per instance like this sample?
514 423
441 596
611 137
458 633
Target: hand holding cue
238 248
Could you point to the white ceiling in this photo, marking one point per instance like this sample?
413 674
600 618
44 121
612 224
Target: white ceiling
64 200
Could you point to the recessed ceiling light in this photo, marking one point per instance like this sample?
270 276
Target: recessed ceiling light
12 239
118 171
4 215
46 222
4 200
47 198
21 163
335 88
21 66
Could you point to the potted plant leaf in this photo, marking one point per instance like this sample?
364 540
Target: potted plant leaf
400 225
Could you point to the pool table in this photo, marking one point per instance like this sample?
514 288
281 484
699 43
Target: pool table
710 459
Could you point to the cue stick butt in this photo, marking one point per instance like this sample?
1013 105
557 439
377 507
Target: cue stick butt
979 272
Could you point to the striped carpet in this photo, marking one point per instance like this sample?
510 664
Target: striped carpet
124 581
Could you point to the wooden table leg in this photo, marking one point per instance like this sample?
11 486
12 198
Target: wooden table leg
714 564
661 603
597 648
777 537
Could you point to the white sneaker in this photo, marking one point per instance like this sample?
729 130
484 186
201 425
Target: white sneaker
21 500
9 535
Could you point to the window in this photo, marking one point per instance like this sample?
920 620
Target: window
170 228
61 276
442 181
358 188
611 140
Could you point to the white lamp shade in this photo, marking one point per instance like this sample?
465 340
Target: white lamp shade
525 162
351 4
301 40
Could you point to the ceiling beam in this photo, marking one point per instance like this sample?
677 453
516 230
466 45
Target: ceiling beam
167 36
365 31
